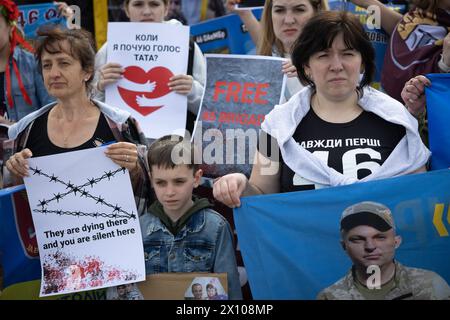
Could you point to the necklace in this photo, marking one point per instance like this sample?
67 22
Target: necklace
77 124
67 136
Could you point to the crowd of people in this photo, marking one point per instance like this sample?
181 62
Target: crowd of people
54 102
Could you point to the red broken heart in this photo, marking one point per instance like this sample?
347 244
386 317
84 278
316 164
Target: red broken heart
159 75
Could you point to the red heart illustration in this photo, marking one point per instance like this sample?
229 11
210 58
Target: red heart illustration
159 76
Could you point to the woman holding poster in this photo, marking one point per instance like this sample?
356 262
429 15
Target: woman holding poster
337 130
75 121
191 84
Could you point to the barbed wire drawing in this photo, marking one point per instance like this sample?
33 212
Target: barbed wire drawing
81 191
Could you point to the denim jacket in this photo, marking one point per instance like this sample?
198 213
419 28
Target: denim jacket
33 83
204 244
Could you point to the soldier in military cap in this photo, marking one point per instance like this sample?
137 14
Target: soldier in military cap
369 238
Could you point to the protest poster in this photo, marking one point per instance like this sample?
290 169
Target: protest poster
85 221
182 285
291 246
224 35
150 53
371 21
437 99
240 90
249 4
33 16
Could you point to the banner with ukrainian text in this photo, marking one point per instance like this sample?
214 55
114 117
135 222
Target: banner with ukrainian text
240 90
438 97
150 55
33 16
226 34
290 242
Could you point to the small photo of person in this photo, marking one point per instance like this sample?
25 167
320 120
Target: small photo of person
212 294
369 238
197 291
205 288
128 291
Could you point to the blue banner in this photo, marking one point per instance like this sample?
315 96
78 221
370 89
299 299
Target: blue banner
18 245
290 242
438 97
33 16
225 34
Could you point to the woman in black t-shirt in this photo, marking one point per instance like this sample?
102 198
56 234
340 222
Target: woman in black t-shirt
74 122
335 131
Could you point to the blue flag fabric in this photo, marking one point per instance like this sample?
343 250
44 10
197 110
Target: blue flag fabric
438 112
18 245
290 242
33 16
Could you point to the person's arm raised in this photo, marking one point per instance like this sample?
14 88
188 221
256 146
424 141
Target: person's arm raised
251 23
389 17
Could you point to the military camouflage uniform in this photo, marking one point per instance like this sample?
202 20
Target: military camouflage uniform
410 284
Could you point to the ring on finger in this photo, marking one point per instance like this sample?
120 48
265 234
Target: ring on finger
126 158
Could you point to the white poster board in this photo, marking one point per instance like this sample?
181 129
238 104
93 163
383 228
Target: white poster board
150 53
86 222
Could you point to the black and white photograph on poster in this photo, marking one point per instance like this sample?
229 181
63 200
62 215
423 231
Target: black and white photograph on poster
205 288
249 4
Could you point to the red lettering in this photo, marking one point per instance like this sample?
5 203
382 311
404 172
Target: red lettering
252 121
242 93
208 116
241 118
219 90
223 117
246 92
260 92
233 90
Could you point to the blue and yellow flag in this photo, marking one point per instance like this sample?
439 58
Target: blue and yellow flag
438 112
290 242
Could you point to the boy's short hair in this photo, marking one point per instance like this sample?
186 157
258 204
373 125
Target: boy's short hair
170 151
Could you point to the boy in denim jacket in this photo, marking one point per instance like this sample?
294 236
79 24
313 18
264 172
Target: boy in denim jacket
182 233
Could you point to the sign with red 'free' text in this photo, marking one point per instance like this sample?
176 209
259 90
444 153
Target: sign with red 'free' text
240 91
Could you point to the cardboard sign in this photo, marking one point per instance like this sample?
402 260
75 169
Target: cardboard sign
179 286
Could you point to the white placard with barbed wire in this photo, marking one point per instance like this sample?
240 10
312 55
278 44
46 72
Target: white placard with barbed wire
86 222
